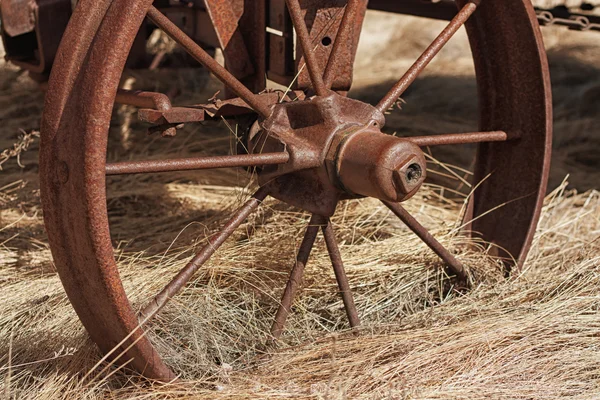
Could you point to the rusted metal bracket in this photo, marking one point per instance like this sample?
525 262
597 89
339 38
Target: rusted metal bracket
323 19
172 116
18 16
225 22
230 25
32 30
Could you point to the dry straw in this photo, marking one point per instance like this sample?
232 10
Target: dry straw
534 335
531 336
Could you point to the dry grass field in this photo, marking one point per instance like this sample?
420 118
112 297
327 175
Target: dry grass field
533 336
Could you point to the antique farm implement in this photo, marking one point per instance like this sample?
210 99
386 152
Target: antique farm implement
313 147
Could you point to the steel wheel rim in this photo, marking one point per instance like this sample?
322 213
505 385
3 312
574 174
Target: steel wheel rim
533 121
98 296
91 274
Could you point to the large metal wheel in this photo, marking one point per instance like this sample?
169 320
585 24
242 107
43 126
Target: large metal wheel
342 155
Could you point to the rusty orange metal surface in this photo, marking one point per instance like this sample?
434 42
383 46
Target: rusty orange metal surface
312 149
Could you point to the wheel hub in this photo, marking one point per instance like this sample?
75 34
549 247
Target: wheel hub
337 151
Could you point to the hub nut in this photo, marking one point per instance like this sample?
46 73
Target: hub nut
408 174
370 163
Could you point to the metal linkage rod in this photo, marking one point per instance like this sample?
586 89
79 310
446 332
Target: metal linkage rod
137 98
295 279
455 266
187 164
151 100
434 48
316 75
164 23
340 274
458 138
184 276
343 35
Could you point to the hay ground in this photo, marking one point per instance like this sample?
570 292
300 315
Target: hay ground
534 336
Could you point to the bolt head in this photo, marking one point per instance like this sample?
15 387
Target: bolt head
409 175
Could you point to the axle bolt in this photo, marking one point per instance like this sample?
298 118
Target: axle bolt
409 175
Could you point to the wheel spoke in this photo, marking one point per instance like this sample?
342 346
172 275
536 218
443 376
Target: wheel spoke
316 76
295 277
434 48
183 277
343 36
458 138
187 164
455 266
340 274
163 22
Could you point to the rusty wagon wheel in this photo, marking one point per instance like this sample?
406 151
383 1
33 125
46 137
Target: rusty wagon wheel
313 153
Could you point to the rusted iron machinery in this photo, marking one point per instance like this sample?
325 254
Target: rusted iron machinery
313 148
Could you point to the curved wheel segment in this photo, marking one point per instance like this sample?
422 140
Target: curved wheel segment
77 114
514 97
311 153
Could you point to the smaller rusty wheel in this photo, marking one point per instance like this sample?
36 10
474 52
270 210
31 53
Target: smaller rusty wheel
312 153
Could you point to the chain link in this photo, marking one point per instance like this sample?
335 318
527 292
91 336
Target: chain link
574 21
